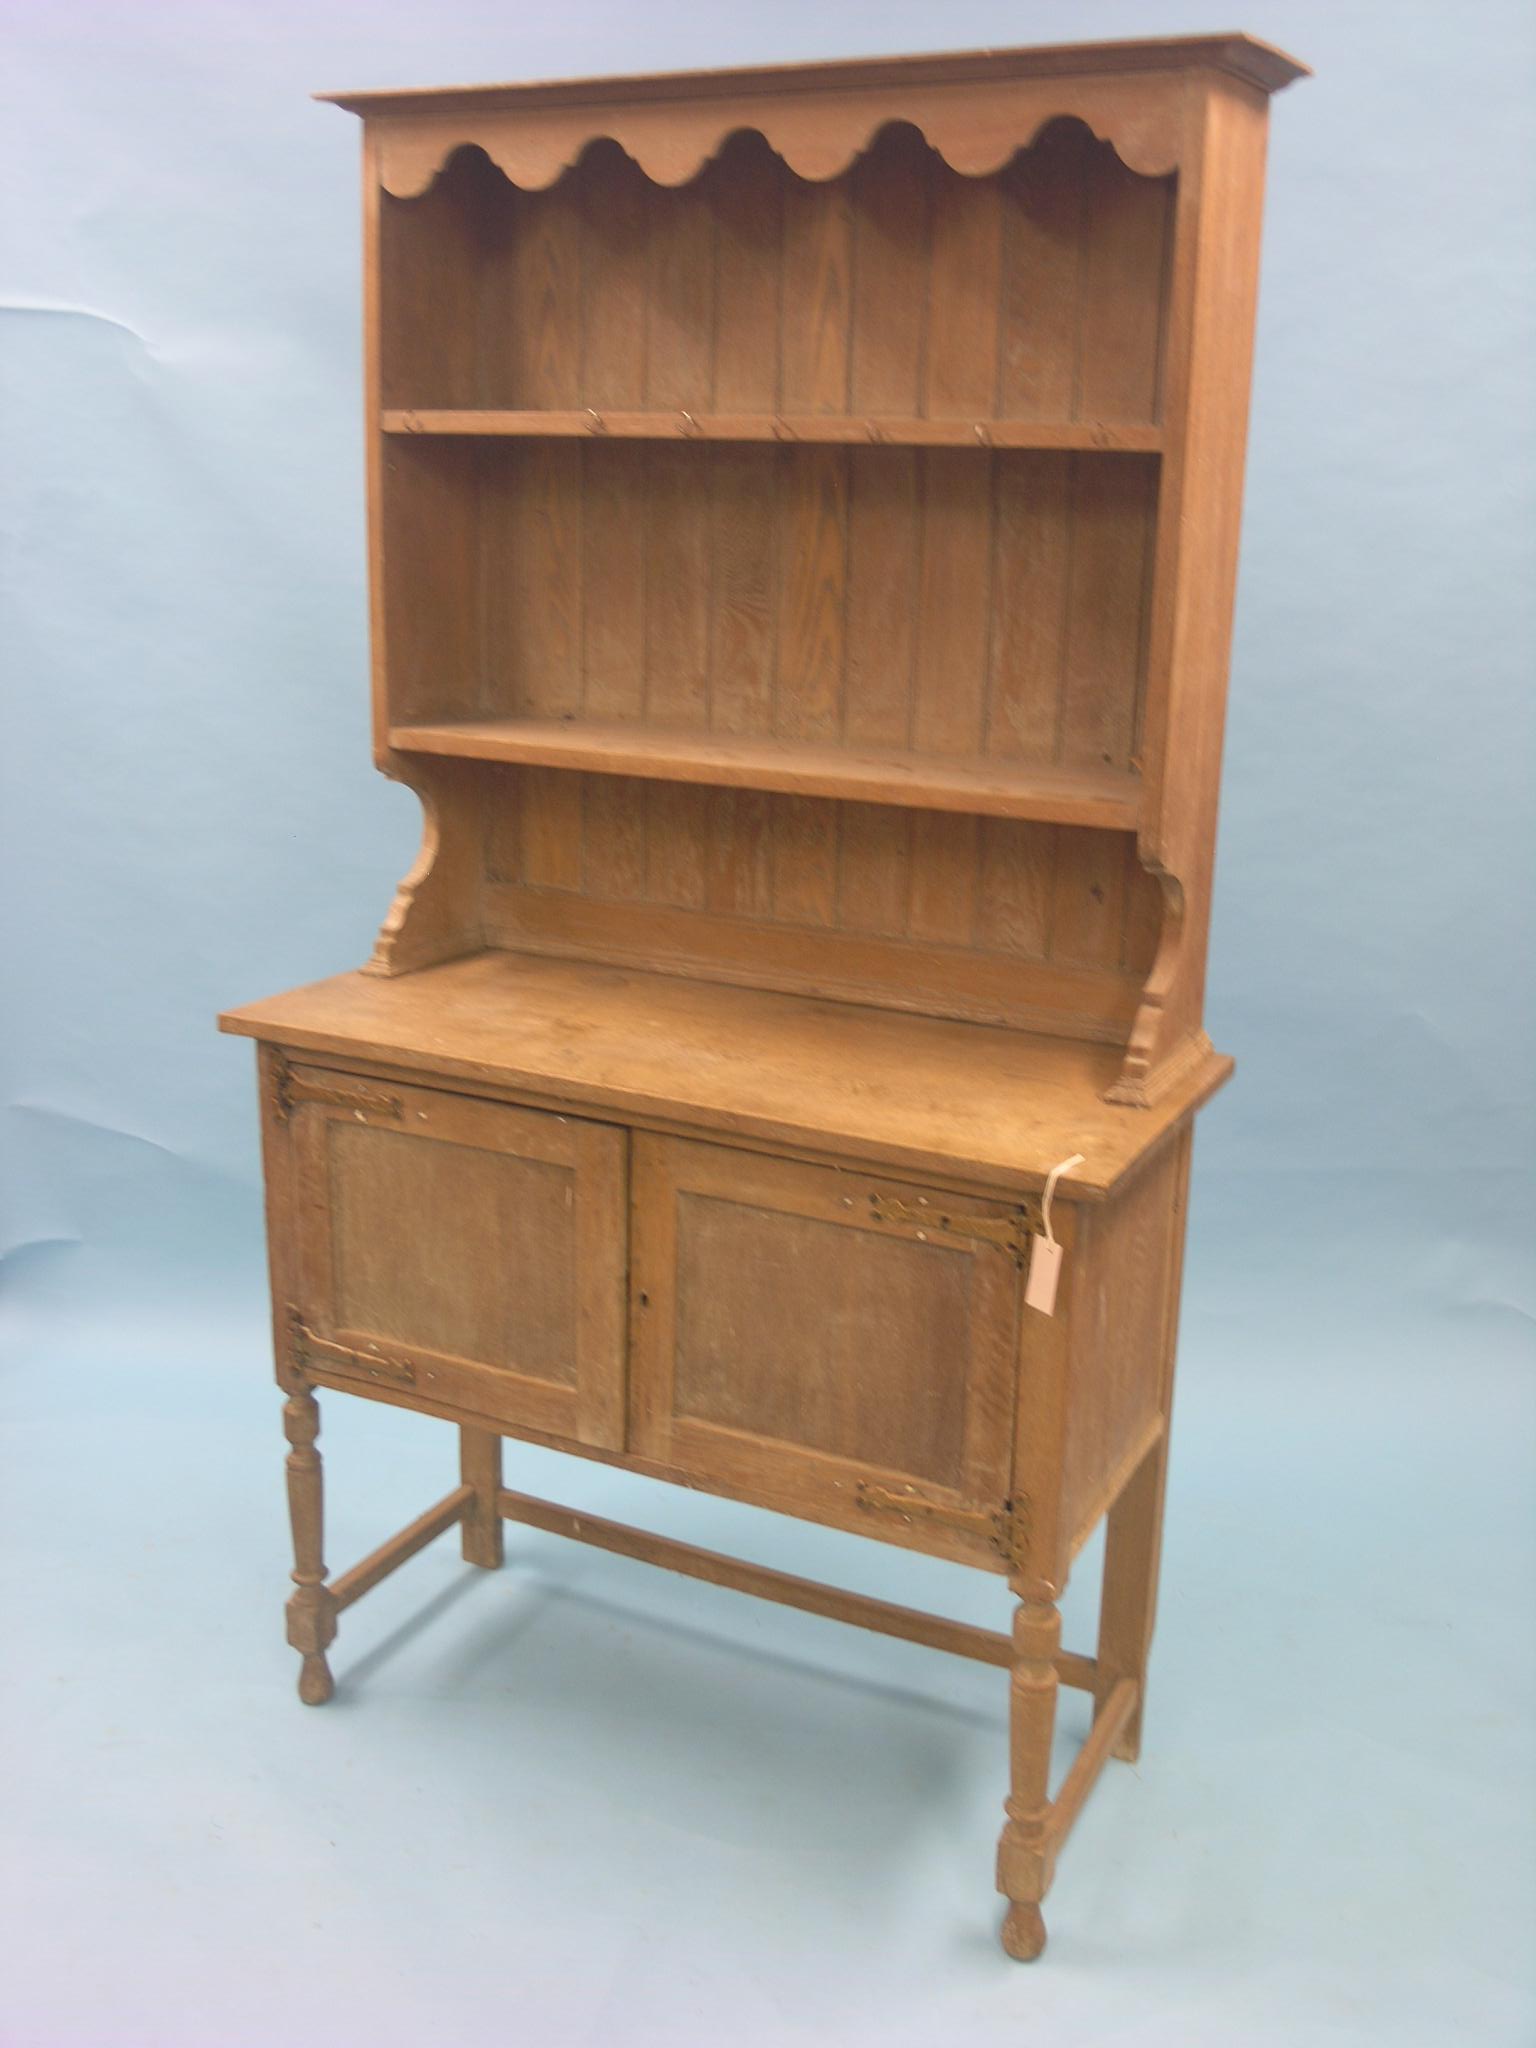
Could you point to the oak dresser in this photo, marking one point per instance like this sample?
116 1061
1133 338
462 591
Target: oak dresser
803 513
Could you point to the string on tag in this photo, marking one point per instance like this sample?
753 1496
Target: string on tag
1051 1179
1045 1253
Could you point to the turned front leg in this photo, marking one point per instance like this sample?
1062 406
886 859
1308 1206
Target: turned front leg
1024 1853
311 1609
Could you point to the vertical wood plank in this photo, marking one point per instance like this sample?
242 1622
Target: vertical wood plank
613 578
613 838
1042 196
550 804
890 299
531 567
1113 505
615 264
1029 598
882 595
429 302
432 513
804 832
1125 256
960 381
953 605
1088 898
943 892
813 533
738 878
504 825
874 861
890 194
539 314
676 587
964 275
743 484
676 829
814 325
680 300
746 186
1013 913
816 310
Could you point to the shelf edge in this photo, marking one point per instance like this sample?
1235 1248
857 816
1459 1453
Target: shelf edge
1092 437
1116 808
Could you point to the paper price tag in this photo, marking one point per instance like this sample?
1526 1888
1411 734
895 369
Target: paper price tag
1044 1272
1045 1253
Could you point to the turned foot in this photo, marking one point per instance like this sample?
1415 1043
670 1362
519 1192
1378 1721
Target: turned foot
1023 1931
315 1682
1025 1853
311 1609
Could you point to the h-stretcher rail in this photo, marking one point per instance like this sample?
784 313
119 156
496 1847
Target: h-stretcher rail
933 1631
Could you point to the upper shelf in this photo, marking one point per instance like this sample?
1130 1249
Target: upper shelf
1049 791
906 432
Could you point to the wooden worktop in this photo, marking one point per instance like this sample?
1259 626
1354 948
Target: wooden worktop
918 1093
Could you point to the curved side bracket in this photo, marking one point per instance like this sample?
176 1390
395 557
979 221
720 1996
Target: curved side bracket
977 128
1164 1047
436 913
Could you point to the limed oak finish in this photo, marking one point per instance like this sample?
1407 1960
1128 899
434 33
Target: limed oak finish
803 520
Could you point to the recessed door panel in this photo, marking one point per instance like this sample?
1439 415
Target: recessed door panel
469 1250
816 1335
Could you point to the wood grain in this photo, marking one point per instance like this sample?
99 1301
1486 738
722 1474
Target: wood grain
1090 795
935 886
1122 1316
615 280
952 603
1209 356
888 320
982 1103
935 1632
802 528
863 429
975 123
615 569
476 1244
783 1324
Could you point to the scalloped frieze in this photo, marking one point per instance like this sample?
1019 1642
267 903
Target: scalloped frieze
976 128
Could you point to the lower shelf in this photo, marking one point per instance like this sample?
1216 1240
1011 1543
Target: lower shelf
1045 791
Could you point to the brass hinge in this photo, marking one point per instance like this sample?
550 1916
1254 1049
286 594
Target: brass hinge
1011 1233
1004 1529
289 1089
305 1350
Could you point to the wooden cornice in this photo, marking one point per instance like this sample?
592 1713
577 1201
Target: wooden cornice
976 109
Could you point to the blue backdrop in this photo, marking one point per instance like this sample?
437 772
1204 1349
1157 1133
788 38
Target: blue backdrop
191 819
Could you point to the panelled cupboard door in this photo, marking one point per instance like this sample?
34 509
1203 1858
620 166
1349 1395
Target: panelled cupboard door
468 1250
807 1335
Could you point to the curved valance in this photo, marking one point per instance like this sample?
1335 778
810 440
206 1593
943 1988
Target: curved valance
976 128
